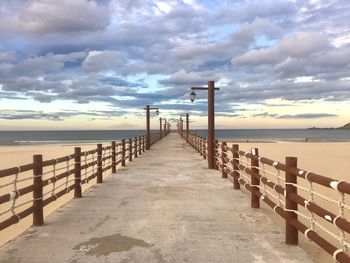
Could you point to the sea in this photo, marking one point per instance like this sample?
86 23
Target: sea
8 138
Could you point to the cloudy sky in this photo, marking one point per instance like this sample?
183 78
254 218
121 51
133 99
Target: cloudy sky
94 64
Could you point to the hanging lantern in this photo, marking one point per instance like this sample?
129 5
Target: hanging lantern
193 96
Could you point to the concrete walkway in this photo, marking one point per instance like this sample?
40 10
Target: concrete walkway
164 207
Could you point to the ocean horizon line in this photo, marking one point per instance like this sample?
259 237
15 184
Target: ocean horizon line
234 135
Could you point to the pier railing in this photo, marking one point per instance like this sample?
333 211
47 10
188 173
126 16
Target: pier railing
310 203
48 180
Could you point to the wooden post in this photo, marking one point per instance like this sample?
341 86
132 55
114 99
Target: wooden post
143 143
187 126
211 125
148 129
123 152
204 148
216 147
77 172
223 160
235 164
114 167
38 213
135 145
130 150
99 163
255 201
160 128
139 142
291 231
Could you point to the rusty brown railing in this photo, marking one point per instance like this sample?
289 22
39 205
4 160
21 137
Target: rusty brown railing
309 203
48 180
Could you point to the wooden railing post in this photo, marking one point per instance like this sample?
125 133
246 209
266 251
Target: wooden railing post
223 160
130 150
135 147
123 152
114 166
143 143
38 213
204 148
99 163
77 172
291 231
139 142
216 146
254 162
235 164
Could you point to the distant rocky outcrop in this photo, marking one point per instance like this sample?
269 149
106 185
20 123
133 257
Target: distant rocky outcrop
345 127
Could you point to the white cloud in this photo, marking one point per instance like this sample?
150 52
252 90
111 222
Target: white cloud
97 61
50 17
306 79
298 45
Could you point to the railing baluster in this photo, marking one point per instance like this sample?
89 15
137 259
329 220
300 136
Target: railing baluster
223 160
130 150
77 172
135 147
204 148
123 152
38 213
143 143
291 231
139 143
216 147
114 167
255 201
99 163
235 163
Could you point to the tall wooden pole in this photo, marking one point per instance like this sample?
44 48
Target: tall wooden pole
211 124
148 125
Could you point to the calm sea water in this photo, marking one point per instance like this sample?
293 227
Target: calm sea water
74 137
295 135
64 137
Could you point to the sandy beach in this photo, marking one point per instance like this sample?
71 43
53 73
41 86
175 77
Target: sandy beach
326 158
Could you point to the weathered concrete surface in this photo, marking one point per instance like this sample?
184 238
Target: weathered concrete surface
164 207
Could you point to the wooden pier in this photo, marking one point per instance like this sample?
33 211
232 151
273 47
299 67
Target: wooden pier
166 206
